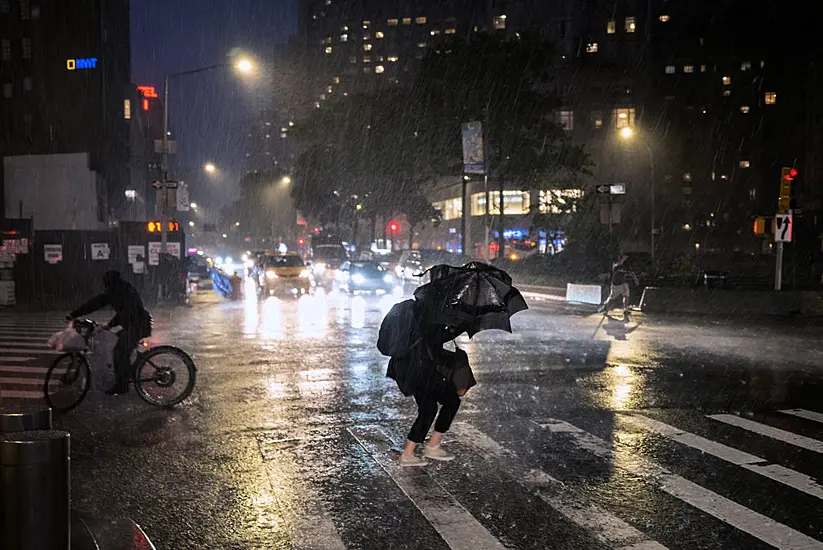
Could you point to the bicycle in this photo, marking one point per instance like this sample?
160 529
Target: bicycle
149 379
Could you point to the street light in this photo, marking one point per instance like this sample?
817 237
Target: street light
286 180
628 134
244 66
193 206
210 168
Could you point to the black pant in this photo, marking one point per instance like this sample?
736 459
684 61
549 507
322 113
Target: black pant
127 340
427 402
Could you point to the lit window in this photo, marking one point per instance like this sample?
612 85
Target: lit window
366 36
330 89
7 89
623 118
744 164
379 34
353 60
366 69
420 20
688 68
515 203
702 68
687 176
328 49
366 24
392 22
127 109
366 59
407 20
316 104
435 32
771 98
591 47
670 69
566 120
346 28
744 109
421 44
379 69
393 58
727 80
451 209
26 48
597 119
5 46
664 18
344 38
25 10
380 58
611 26
367 47
322 97
630 24
727 93
451 31
746 66
336 80
499 22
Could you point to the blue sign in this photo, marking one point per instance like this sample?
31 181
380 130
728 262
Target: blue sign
86 63
473 158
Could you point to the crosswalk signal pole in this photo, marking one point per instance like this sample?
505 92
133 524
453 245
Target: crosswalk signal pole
165 168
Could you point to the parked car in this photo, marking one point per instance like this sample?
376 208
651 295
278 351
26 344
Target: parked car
365 277
413 263
285 275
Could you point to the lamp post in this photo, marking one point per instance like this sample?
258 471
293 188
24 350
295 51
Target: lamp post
241 65
629 134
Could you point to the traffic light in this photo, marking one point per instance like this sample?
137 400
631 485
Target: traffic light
787 178
301 241
760 226
155 227
394 227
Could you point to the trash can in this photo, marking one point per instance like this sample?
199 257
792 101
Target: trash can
35 491
24 418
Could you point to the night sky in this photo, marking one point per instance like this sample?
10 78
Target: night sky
210 112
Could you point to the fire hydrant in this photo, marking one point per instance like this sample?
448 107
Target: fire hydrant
236 287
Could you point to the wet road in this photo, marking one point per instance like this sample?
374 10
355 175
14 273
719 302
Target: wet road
584 432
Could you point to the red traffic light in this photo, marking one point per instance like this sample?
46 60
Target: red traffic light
791 175
301 242
394 227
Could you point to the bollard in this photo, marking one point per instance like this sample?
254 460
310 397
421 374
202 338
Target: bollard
34 491
24 418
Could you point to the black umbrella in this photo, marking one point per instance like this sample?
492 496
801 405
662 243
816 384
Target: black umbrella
474 297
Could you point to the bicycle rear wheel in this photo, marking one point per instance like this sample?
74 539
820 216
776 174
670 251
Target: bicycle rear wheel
164 376
67 381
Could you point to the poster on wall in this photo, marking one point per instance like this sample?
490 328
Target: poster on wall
53 253
100 251
172 248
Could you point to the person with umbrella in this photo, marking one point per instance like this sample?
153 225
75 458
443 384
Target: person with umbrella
468 299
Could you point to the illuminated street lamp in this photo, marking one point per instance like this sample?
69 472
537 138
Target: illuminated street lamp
628 134
210 168
193 206
286 180
244 66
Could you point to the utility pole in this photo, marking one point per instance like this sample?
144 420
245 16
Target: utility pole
164 167
464 212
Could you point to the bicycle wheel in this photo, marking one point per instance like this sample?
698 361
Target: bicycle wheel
67 381
164 376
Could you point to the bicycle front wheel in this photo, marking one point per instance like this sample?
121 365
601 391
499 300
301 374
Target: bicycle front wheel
164 376
67 381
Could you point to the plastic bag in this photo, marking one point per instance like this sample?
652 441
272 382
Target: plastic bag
67 340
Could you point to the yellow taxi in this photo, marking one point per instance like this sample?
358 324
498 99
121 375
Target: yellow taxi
285 274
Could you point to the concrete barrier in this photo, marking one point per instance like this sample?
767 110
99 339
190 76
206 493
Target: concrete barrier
704 301
584 294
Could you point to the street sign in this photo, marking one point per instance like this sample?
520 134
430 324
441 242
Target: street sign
183 202
172 248
473 155
169 184
617 189
100 251
603 189
783 228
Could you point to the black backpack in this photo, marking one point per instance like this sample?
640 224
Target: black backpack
400 330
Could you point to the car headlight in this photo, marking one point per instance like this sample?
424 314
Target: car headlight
305 273
319 268
358 279
271 275
387 278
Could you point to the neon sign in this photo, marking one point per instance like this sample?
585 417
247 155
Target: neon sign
87 63
149 92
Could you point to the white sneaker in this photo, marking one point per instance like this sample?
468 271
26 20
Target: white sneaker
411 461
437 453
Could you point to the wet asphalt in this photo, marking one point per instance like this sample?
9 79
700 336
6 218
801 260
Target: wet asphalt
291 435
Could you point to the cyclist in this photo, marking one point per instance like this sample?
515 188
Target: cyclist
130 314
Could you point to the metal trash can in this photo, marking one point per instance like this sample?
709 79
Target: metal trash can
35 491
24 418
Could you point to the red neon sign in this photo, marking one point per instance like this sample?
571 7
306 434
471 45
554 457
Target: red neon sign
149 92
145 104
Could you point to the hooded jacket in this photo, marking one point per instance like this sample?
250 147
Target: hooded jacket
124 300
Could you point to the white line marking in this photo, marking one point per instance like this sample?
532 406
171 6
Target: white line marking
728 511
755 464
15 368
451 520
769 431
46 351
17 394
16 359
4 337
24 344
606 527
803 413
23 381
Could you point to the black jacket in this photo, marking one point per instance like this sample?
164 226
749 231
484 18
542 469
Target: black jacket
126 303
418 372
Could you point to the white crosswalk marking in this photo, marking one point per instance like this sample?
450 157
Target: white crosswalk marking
755 464
605 526
769 431
451 520
728 511
803 413
24 354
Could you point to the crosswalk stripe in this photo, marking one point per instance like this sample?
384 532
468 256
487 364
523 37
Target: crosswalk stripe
803 413
760 466
34 351
15 359
18 394
450 519
769 431
4 338
605 526
15 368
25 344
738 516
21 381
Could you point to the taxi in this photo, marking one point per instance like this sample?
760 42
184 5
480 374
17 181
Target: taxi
284 274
